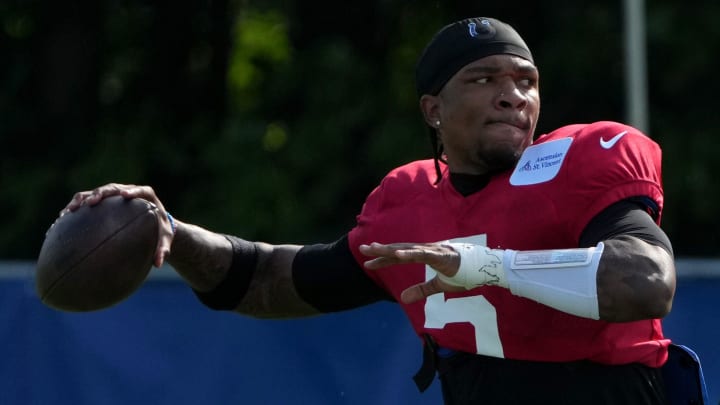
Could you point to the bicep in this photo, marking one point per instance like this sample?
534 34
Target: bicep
636 278
327 277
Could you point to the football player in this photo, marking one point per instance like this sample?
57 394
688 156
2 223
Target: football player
533 268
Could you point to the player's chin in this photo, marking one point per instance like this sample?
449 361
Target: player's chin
502 158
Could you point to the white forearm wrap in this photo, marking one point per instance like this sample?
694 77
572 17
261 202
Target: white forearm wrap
564 279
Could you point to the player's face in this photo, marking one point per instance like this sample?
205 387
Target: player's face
487 112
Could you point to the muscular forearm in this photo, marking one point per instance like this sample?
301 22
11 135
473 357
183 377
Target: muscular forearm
203 258
636 280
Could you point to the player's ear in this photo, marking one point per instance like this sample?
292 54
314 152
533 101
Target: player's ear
430 108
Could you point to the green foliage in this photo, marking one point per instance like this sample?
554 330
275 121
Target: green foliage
261 45
273 121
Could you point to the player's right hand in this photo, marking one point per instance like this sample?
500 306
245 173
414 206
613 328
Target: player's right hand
93 197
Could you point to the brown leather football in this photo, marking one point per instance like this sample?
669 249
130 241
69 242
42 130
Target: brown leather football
97 256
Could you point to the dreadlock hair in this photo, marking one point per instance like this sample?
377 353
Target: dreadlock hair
437 148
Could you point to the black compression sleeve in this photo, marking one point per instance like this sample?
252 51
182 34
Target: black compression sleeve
327 277
626 217
231 290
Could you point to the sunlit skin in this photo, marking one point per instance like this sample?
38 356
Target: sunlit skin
488 112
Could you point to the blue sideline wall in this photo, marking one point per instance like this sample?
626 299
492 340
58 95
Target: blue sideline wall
162 347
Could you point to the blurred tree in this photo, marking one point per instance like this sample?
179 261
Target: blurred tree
273 120
683 108
48 112
104 91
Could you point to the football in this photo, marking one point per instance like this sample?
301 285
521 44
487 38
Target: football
97 256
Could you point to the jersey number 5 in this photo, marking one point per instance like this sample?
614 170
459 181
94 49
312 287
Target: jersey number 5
475 310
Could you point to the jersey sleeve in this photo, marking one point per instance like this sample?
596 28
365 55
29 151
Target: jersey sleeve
381 218
366 225
609 162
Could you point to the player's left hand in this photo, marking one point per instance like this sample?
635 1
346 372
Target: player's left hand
442 258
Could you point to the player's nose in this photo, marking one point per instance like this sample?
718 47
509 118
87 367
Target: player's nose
510 97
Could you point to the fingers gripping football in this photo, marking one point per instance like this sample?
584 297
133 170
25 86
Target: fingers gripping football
129 191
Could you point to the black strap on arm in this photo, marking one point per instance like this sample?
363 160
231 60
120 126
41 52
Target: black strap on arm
231 290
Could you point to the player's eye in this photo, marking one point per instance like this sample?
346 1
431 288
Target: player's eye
527 82
482 80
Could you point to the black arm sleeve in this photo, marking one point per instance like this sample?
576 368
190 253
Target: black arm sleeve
327 277
626 217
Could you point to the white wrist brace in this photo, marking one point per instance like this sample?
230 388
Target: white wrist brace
479 265
564 279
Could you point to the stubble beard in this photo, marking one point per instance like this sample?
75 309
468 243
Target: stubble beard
500 160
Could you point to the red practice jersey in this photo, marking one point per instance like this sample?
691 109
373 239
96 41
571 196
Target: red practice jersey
560 183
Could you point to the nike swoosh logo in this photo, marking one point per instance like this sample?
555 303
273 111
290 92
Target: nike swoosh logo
609 144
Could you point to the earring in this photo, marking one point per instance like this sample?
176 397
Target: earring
437 124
